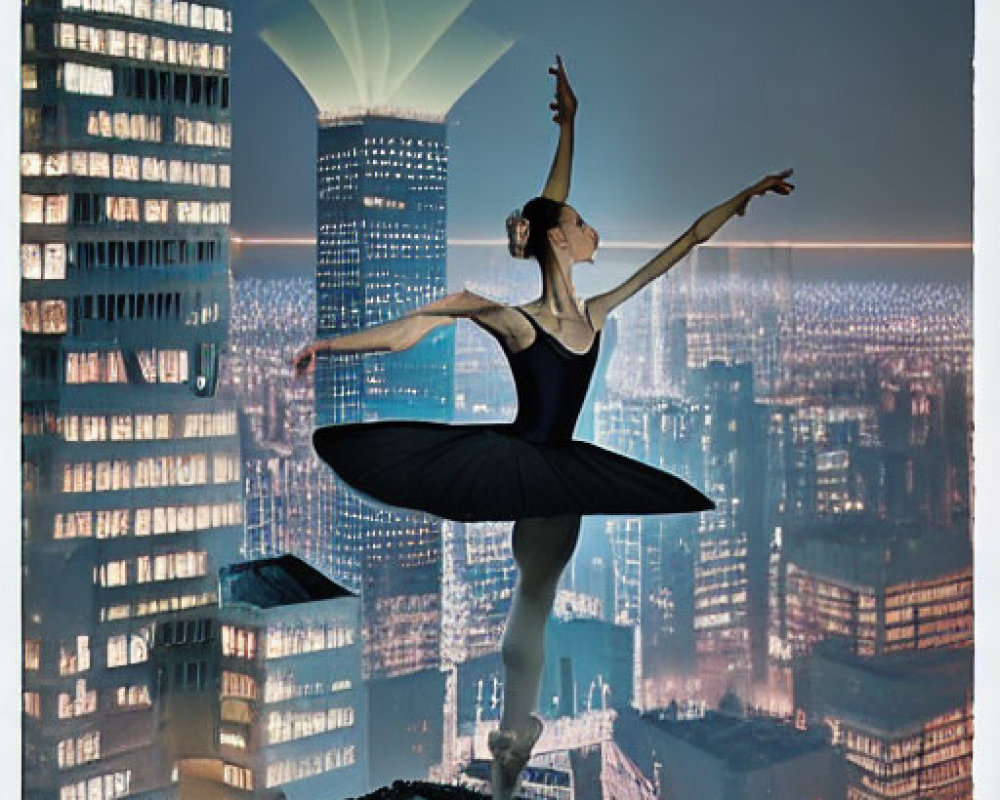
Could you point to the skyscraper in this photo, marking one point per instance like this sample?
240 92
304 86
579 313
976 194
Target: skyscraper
730 585
383 86
131 485
381 186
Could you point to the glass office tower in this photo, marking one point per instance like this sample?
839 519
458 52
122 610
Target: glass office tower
132 494
381 250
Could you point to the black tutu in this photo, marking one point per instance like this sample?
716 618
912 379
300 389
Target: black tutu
475 473
531 467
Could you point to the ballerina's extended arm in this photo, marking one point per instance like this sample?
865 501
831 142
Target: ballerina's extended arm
701 231
405 332
564 115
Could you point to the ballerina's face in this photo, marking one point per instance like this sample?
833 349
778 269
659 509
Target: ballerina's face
577 236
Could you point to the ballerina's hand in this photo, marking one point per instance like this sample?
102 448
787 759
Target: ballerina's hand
305 361
564 106
772 183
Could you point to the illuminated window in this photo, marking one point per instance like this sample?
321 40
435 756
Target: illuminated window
125 126
123 209
56 209
76 657
121 427
29 77
132 697
232 739
84 702
31 261
86 79
72 524
117 45
32 704
79 163
81 750
112 523
240 777
157 211
154 169
113 573
32 654
53 316
32 209
99 165
239 642
31 164
225 469
93 428
31 320
117 650
173 366
189 211
237 684
162 421
65 35
125 167
55 261
201 133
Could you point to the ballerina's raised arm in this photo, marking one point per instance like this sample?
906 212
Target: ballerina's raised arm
564 115
701 231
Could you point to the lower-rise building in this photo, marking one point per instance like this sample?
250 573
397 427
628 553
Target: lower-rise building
903 721
262 697
724 757
881 586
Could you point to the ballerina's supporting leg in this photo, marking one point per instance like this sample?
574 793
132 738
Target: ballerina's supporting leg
542 548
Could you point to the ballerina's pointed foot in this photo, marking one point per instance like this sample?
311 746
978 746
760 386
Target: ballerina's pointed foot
511 751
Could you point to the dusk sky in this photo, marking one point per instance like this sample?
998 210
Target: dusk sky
681 105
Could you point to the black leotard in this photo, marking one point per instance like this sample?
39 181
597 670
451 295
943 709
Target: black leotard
551 382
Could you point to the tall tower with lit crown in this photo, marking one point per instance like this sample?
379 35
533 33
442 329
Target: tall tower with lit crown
383 75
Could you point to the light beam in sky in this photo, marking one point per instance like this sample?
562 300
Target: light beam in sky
395 56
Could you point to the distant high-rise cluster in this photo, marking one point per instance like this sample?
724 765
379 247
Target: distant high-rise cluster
842 489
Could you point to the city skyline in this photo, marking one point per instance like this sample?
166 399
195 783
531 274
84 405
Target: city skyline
843 474
476 561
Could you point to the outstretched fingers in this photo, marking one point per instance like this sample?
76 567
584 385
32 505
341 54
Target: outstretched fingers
564 105
778 184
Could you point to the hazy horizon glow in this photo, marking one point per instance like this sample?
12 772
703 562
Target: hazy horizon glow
307 241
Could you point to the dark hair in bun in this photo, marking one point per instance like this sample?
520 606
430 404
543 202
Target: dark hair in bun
543 215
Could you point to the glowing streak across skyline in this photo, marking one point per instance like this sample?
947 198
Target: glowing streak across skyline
306 241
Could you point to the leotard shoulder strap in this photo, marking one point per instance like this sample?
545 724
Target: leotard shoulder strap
551 338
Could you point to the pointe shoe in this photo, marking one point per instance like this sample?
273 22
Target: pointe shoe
511 751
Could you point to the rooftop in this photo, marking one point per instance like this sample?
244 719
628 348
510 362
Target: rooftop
874 553
743 744
889 693
281 581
